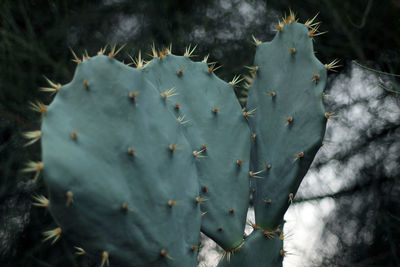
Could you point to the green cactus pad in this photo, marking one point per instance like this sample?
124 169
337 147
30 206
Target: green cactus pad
119 152
289 121
114 184
214 124
257 250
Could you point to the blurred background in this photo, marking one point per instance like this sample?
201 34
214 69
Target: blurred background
347 211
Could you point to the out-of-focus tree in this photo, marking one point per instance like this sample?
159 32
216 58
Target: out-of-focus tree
358 171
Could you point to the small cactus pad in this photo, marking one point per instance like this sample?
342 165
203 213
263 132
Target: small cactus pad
213 123
258 249
116 190
289 122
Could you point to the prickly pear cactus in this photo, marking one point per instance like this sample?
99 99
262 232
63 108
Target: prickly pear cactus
138 161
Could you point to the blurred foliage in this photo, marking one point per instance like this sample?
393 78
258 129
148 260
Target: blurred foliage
361 159
35 40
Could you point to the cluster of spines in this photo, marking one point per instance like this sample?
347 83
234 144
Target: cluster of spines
313 32
268 234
